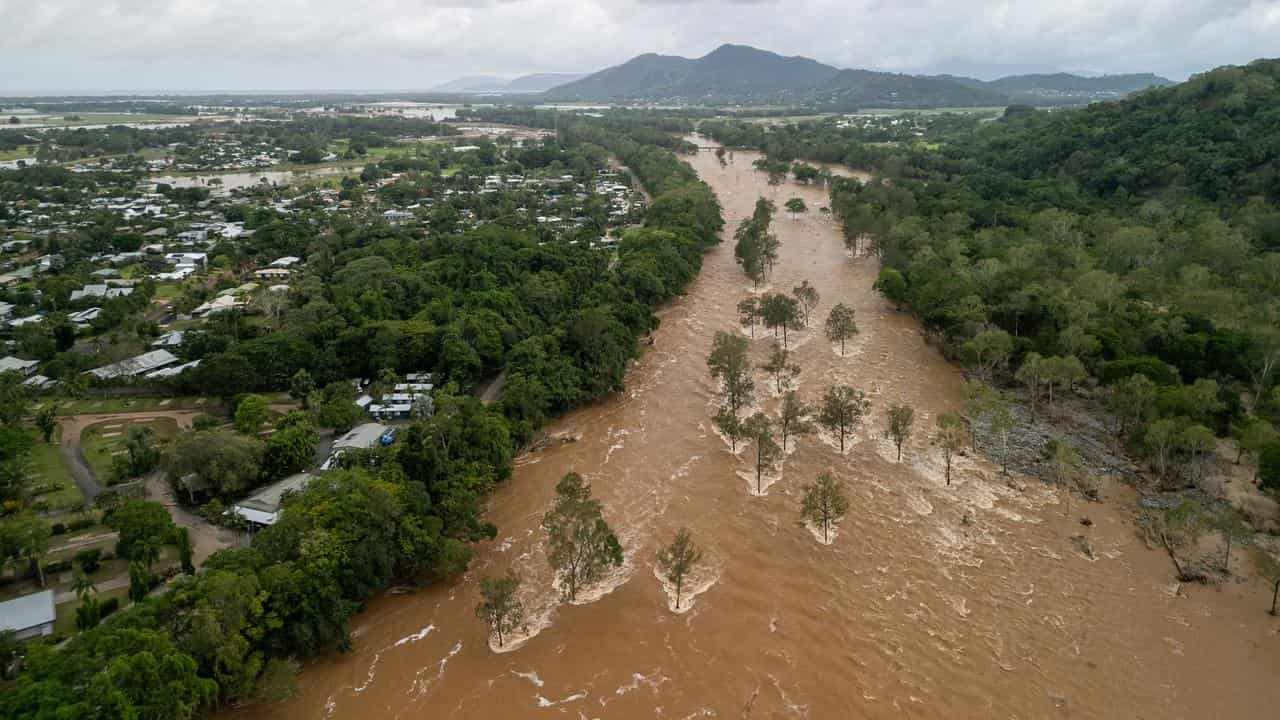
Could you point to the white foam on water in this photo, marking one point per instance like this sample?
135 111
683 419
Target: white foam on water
696 583
638 679
817 533
531 676
767 480
415 637
545 703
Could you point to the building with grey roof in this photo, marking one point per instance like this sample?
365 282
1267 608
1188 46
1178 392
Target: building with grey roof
29 616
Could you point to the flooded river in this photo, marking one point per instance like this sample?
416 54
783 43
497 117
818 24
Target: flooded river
969 601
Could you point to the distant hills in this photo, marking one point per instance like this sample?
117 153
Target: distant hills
535 83
743 75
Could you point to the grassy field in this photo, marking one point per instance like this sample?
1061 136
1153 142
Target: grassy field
105 440
65 622
18 153
88 406
48 467
92 118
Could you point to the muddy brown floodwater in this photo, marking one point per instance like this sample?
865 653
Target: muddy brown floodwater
969 601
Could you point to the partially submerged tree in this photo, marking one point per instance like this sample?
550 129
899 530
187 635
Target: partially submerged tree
781 312
841 325
808 297
580 543
824 504
842 409
901 418
677 560
950 436
778 367
749 313
499 608
795 206
1064 465
730 366
793 420
759 428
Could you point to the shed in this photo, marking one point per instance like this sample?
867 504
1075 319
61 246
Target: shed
29 616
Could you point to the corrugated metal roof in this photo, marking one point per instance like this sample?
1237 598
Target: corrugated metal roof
27 611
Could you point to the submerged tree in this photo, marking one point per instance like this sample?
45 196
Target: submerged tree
677 560
730 366
950 436
781 312
759 428
580 543
793 420
795 206
842 409
824 504
841 325
782 372
749 313
901 418
808 297
499 608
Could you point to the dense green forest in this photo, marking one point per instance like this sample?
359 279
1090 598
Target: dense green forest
562 321
1139 237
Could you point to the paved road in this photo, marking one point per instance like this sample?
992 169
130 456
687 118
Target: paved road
69 446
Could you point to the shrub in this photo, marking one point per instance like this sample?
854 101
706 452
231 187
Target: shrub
1156 370
206 422
1269 466
57 566
58 529
89 560
109 606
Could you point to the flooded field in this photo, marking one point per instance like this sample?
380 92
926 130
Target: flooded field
969 601
249 178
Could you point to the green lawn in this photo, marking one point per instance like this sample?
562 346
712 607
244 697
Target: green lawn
65 623
18 153
103 441
168 290
48 467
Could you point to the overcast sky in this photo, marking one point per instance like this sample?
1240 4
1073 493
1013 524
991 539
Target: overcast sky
200 45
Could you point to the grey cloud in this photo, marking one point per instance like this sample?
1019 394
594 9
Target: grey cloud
412 44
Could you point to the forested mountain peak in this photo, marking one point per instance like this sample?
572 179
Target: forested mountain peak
741 74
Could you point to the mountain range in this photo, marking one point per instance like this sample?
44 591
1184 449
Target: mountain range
743 75
535 83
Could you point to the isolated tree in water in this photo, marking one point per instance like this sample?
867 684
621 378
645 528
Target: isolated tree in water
730 366
841 325
783 372
808 297
950 436
795 206
781 312
677 560
580 544
793 420
749 313
730 424
759 428
901 418
824 504
842 410
499 608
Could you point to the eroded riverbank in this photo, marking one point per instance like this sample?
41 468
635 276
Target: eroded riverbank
933 601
